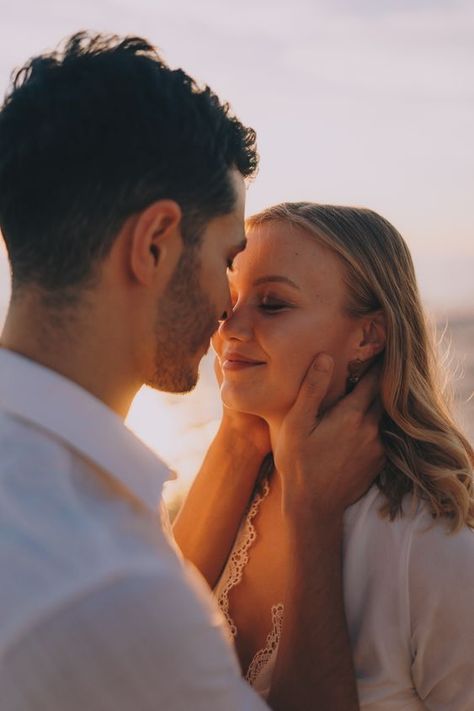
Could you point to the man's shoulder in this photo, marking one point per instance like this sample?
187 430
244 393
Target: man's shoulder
62 534
25 446
48 565
144 641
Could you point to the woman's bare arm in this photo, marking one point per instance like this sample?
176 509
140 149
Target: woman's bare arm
208 521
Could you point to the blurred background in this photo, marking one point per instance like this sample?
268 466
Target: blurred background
365 102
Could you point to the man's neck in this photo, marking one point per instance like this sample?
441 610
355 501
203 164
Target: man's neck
72 344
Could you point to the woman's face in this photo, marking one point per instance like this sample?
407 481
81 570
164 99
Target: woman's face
288 296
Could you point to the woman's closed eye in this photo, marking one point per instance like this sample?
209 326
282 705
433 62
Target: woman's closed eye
271 305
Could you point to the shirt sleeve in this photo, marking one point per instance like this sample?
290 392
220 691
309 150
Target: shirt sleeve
137 644
441 592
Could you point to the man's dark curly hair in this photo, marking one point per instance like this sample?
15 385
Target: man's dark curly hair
95 132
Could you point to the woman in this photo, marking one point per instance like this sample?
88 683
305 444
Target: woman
341 280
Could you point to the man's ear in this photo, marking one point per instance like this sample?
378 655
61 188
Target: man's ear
374 336
156 243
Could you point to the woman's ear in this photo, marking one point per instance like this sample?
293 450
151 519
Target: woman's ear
156 243
374 336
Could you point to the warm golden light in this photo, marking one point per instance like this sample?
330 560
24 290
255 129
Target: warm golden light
359 103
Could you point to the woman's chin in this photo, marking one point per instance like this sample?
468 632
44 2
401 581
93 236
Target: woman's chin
251 402
241 402
244 407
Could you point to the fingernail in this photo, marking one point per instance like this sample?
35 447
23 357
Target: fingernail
323 362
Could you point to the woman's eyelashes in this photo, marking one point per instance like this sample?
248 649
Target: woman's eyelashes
272 305
266 304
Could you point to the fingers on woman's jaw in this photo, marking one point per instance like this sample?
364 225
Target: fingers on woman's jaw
323 363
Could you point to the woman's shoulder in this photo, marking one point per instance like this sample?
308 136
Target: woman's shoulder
414 530
406 569
367 514
438 552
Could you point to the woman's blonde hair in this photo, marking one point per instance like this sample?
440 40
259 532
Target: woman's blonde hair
426 452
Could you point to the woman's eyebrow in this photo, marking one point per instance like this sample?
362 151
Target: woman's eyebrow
276 278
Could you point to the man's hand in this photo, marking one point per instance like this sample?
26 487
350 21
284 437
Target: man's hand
326 464
329 462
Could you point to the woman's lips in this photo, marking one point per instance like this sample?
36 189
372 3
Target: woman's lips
236 363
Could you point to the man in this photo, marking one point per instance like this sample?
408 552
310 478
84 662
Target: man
121 204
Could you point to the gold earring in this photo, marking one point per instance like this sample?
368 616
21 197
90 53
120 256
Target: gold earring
355 372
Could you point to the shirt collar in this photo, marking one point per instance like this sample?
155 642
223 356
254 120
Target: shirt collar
43 397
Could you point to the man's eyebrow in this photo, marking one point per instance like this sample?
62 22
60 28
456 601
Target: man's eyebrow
276 278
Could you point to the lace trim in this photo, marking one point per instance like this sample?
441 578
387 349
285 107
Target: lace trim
240 556
262 657
232 577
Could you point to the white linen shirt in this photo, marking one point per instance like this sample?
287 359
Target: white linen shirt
409 596
97 611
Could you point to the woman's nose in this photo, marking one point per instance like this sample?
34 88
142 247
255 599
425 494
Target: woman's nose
237 325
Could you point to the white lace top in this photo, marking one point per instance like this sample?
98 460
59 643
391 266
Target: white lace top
259 671
409 590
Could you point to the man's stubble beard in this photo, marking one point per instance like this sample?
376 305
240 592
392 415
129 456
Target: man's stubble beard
186 321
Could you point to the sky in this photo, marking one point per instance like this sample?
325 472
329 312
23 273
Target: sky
366 102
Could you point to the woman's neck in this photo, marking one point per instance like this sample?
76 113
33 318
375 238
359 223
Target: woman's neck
274 426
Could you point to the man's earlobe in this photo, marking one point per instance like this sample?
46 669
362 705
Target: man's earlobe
155 242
